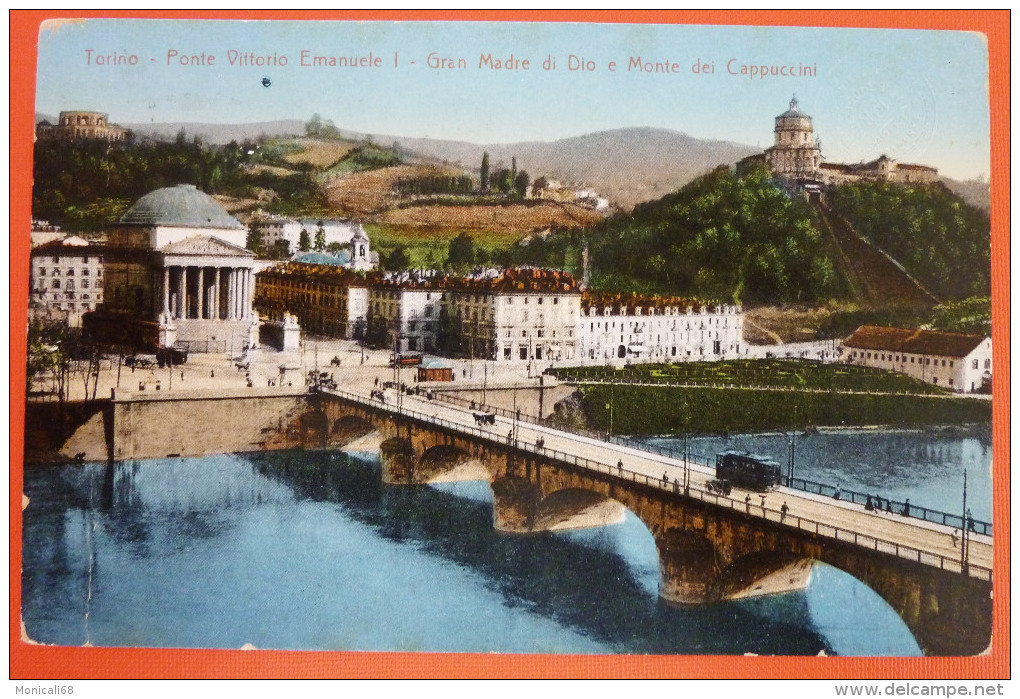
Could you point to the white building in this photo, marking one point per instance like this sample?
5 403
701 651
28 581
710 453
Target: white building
66 279
350 235
622 329
957 361
407 305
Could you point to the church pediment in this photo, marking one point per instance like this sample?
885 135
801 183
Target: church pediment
205 245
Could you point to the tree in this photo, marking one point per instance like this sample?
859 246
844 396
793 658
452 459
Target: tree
485 172
521 183
255 241
320 237
314 126
461 253
281 249
334 248
304 241
398 259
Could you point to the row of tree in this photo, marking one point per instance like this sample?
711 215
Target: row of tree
506 181
941 240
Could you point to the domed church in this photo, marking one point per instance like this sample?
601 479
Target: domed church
178 275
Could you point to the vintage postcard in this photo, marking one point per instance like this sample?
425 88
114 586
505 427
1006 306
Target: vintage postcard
535 345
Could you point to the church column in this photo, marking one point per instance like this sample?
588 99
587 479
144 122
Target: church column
166 292
215 295
201 293
182 292
248 288
232 295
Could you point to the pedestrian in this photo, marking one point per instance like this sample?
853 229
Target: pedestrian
762 505
665 478
970 521
212 373
783 510
509 436
747 503
182 376
869 506
619 466
676 485
839 493
906 508
953 535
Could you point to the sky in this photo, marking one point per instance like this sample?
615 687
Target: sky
916 96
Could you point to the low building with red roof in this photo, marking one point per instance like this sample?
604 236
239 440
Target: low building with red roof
956 361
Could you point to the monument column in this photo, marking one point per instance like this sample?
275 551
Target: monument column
182 292
231 291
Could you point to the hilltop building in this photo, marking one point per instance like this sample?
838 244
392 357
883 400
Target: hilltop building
82 125
796 156
177 274
957 361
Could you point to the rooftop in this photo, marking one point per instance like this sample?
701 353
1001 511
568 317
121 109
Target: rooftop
932 342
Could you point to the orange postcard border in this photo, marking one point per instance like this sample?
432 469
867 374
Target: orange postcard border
31 661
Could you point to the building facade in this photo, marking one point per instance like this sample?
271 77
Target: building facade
66 279
959 362
632 329
326 299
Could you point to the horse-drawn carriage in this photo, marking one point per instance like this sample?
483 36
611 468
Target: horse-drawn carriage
485 418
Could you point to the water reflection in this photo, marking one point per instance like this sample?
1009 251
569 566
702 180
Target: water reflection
310 550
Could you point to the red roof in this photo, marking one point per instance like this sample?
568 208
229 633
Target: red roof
930 342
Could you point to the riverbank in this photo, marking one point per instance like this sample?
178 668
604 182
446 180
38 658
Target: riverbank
663 410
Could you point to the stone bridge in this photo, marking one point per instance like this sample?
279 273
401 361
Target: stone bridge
710 547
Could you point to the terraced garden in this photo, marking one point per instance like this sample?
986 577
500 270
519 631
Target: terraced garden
757 373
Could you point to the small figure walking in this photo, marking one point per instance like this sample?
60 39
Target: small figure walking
665 478
212 373
953 535
906 508
970 521
839 492
619 466
762 505
783 510
869 506
747 503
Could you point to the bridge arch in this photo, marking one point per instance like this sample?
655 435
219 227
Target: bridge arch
449 462
314 426
577 508
348 428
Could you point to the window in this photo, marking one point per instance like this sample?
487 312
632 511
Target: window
42 273
84 273
556 300
85 284
524 352
56 283
540 300
974 365
988 364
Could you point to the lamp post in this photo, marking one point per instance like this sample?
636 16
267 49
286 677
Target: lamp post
965 527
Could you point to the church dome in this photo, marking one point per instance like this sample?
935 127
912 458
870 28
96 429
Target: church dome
793 111
183 206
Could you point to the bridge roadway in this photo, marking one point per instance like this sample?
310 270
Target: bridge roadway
907 537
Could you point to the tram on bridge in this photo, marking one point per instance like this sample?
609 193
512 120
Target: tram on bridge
748 471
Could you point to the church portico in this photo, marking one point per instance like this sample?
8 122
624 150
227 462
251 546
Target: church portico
179 273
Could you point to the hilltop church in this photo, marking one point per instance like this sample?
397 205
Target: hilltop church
796 156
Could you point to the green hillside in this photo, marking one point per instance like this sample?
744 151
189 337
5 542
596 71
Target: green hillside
942 241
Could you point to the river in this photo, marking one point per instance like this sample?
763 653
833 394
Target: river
310 550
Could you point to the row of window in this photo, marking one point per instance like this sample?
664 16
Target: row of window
902 358
84 259
70 272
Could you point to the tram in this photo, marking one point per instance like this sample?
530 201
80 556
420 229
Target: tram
748 471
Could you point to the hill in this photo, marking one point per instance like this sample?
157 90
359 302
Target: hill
626 165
